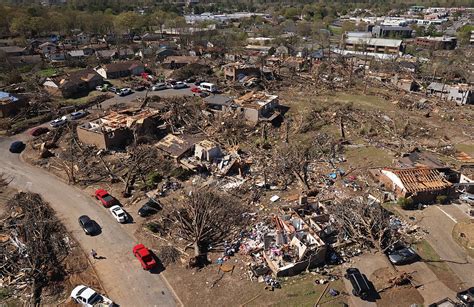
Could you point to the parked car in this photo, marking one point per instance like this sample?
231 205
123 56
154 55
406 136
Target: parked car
159 87
190 80
204 94
179 85
113 90
196 90
89 226
467 197
149 208
102 88
359 282
17 147
402 255
145 257
38 131
58 122
139 88
118 213
105 198
208 87
78 114
467 296
125 91
88 297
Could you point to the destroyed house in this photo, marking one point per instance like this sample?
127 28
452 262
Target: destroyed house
116 130
237 71
74 84
293 246
422 184
177 146
121 70
256 106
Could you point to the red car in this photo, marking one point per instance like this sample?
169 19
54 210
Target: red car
196 90
105 198
145 257
38 131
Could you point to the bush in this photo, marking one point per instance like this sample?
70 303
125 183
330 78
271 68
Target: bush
442 199
405 203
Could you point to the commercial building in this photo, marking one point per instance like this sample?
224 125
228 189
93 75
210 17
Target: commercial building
377 47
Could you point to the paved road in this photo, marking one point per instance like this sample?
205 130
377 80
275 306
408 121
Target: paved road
163 93
440 221
121 274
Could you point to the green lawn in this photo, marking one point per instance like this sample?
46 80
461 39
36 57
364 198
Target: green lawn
48 72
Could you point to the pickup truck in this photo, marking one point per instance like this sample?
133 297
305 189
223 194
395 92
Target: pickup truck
87 297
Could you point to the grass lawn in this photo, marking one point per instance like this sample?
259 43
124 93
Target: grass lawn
467 239
48 72
368 156
301 291
82 100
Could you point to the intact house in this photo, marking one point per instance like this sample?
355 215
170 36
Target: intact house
421 184
75 84
47 48
253 106
116 130
10 104
121 69
11 51
178 61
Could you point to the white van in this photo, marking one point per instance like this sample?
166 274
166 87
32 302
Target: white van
208 87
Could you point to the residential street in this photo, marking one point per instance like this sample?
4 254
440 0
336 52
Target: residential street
439 222
121 274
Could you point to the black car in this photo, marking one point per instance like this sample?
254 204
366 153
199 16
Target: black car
17 147
89 226
149 208
402 255
360 283
467 297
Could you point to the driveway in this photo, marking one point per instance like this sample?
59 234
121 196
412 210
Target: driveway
121 274
135 95
439 221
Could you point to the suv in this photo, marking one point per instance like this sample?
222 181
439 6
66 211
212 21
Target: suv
360 284
149 208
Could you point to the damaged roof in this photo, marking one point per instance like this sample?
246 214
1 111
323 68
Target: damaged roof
255 100
418 158
176 146
420 179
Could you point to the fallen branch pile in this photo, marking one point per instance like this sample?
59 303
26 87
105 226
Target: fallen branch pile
34 246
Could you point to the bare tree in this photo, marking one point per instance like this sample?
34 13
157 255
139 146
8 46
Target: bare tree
368 224
206 218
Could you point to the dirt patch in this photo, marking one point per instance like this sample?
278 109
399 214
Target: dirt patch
403 296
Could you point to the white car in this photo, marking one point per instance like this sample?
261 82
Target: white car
58 122
159 87
125 91
87 297
119 214
178 85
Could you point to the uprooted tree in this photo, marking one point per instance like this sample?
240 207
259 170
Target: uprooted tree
366 224
206 218
37 246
